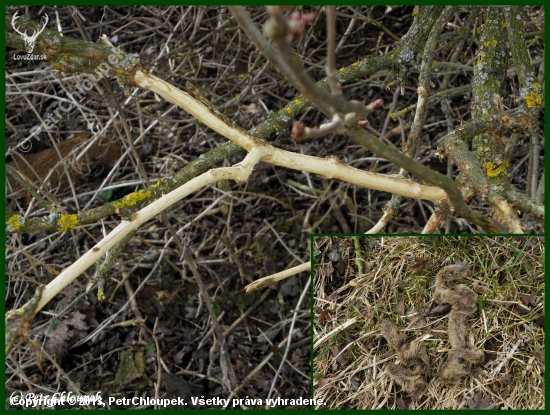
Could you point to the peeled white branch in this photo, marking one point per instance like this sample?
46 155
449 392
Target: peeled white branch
259 150
272 279
238 172
330 167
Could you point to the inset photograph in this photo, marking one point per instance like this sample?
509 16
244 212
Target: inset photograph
429 322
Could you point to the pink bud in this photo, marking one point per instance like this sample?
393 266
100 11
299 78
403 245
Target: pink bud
297 22
298 128
362 124
377 103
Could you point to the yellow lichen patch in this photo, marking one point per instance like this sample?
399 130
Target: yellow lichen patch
503 25
393 116
298 102
403 111
157 184
14 223
342 69
533 99
536 85
289 110
66 222
493 170
493 42
355 63
100 294
132 199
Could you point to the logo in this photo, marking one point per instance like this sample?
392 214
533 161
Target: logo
29 40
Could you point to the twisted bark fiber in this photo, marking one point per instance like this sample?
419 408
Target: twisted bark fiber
463 356
413 371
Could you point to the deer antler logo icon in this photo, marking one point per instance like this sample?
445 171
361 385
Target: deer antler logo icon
29 40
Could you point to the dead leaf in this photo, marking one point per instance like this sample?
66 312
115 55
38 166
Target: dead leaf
321 383
178 357
419 264
479 403
250 109
439 330
524 298
440 262
540 322
459 262
323 316
401 404
337 353
401 305
520 310
528 300
441 308
355 382
131 371
367 267
326 271
334 296
539 356
333 256
340 266
65 334
439 333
